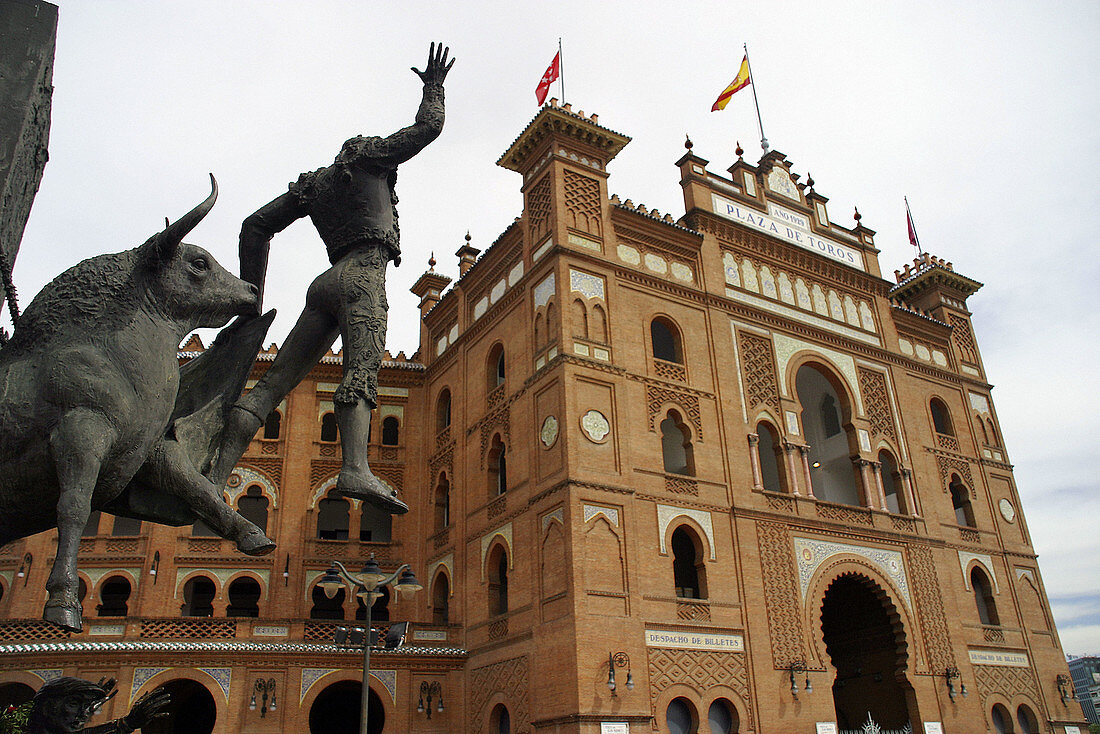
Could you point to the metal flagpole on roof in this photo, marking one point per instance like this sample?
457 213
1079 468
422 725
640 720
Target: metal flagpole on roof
561 71
759 120
913 239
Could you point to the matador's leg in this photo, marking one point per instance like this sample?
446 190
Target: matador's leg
363 327
307 342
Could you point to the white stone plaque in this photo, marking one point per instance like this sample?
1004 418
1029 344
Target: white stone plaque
999 657
694 640
1072 729
933 727
270 631
614 727
768 224
826 727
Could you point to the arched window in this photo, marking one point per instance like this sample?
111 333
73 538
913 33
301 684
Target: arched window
540 330
688 570
498 467
329 430
665 338
722 717
767 449
113 596
379 611
498 581
325 607
941 417
253 507
442 503
375 525
1026 720
391 431
198 597
500 722
983 597
680 717
332 519
580 319
597 330
494 367
441 599
1002 720
960 501
831 471
443 410
91 527
891 482
126 526
244 598
273 425
679 457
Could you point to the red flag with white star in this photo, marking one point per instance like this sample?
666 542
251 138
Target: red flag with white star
551 76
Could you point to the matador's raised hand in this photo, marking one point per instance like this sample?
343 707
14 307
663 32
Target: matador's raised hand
436 70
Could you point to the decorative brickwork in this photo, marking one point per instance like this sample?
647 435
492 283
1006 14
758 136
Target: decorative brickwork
949 464
582 201
693 611
963 339
30 630
947 442
659 396
842 513
1006 681
538 207
702 671
758 366
497 421
122 545
680 485
508 677
498 629
904 524
497 507
669 370
394 475
930 611
781 502
780 596
320 470
876 403
189 629
204 545
273 468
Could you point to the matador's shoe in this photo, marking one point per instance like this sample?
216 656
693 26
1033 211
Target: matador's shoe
361 484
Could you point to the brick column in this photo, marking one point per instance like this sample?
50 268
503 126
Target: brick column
804 452
754 460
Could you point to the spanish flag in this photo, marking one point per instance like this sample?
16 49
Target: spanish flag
737 85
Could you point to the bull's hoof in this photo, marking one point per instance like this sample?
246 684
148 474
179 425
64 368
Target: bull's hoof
363 485
64 617
255 543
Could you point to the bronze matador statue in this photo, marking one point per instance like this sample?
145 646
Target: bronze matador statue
354 208
64 705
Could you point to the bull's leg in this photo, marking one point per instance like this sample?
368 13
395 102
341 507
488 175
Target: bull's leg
78 445
176 473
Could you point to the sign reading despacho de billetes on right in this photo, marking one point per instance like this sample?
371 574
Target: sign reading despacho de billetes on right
694 640
999 657
789 226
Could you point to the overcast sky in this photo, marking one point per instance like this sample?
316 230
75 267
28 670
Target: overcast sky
983 113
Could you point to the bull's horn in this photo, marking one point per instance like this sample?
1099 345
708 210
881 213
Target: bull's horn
174 233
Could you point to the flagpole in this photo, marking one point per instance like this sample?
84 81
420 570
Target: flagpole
912 226
561 71
759 120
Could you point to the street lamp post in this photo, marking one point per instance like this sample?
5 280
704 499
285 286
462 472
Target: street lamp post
367 582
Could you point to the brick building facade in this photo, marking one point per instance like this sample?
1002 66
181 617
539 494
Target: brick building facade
718 458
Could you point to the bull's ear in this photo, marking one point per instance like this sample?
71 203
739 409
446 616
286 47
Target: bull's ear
167 241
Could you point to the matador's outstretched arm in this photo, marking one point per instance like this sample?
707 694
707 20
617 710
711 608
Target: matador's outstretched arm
407 142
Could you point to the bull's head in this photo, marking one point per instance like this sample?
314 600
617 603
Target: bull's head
187 285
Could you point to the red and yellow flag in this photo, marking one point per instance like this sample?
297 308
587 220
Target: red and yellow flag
737 85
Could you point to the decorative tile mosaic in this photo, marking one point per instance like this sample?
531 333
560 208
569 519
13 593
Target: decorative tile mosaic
810 553
310 676
987 565
590 286
595 426
505 532
447 562
544 290
786 347
612 515
548 434
244 476
554 515
141 677
223 676
667 513
47 674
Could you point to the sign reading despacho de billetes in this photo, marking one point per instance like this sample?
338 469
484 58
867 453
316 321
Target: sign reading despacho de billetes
694 640
999 657
786 228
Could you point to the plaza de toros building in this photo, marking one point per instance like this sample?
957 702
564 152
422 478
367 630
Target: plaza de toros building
706 473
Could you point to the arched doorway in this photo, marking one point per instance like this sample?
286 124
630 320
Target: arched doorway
14 694
867 647
336 710
192 710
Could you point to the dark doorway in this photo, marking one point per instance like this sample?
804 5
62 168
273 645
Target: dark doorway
869 653
336 710
192 710
14 694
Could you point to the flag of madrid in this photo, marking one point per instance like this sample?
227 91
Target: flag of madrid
548 78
